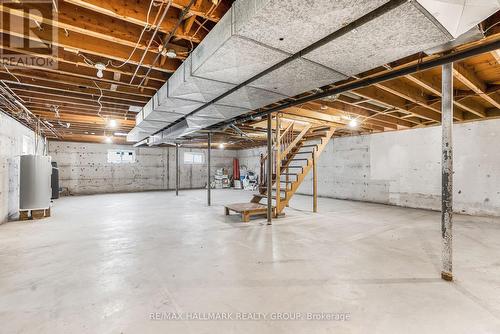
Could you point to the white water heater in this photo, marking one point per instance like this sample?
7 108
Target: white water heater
35 189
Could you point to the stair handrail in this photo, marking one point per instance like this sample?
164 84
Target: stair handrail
295 140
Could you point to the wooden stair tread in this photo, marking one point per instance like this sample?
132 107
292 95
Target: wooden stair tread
305 152
265 196
243 207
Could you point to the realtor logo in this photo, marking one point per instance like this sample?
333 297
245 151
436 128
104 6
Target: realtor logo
29 33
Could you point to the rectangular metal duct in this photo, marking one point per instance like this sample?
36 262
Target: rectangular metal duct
254 35
136 135
292 25
183 84
297 77
227 57
162 101
459 16
178 130
398 33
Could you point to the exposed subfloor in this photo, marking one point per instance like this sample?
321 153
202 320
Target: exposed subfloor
104 263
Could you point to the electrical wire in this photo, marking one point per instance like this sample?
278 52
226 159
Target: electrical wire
99 100
167 40
5 66
147 27
151 40
211 10
488 29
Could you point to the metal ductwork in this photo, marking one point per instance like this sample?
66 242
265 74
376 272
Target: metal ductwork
261 52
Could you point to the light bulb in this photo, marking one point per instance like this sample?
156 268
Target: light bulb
171 53
108 140
353 123
100 67
112 123
221 146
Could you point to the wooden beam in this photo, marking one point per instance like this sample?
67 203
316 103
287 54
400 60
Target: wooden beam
402 89
91 121
85 73
375 112
331 120
44 77
54 100
63 56
92 139
496 55
379 120
81 93
47 93
469 78
433 85
41 108
91 46
397 102
84 21
136 12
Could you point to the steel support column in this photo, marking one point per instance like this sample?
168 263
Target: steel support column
447 171
176 169
209 200
269 169
315 183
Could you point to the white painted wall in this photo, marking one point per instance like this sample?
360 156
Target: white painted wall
404 168
83 168
12 136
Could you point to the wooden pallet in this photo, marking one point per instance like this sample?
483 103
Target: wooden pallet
34 214
246 210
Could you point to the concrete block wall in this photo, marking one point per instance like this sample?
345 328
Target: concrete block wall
83 168
15 139
404 168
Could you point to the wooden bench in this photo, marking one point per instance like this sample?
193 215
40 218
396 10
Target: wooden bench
246 210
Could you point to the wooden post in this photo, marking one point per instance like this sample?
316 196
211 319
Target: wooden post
447 172
269 169
278 164
315 184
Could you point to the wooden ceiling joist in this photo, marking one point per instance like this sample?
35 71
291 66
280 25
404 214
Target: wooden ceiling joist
469 78
74 19
43 77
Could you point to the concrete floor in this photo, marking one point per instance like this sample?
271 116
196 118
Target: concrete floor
104 263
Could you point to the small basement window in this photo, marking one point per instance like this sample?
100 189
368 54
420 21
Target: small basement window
194 158
121 156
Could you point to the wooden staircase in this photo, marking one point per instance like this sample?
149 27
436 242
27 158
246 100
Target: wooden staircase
296 152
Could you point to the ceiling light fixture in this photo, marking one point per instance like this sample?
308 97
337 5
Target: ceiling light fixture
100 67
120 134
221 146
353 123
108 140
171 53
112 123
